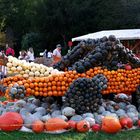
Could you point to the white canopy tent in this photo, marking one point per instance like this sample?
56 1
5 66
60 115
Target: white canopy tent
125 34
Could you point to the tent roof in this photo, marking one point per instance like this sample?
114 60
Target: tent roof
125 34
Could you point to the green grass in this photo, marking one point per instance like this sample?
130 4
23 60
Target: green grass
127 135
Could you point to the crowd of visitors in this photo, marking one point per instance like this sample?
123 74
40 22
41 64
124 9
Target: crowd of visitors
28 55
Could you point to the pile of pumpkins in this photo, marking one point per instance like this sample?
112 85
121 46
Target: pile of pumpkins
107 52
26 69
12 121
120 81
40 116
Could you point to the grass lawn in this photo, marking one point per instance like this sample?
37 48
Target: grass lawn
129 135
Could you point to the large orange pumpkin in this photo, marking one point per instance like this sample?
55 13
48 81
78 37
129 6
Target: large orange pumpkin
83 126
55 124
11 121
110 125
38 126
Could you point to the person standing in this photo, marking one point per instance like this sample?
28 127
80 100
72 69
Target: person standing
57 54
50 54
30 55
9 51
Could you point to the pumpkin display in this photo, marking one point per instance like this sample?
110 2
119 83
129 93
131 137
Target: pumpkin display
110 124
38 126
55 124
93 69
11 121
83 126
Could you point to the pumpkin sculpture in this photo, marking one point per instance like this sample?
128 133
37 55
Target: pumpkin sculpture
110 125
11 121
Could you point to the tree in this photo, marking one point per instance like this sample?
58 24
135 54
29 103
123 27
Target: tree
32 40
57 21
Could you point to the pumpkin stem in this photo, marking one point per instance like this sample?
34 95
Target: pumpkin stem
84 126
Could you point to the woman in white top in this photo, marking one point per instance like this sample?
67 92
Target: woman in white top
30 55
50 54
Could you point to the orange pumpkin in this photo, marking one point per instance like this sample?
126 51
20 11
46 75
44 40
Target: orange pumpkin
11 121
83 126
55 124
110 125
38 126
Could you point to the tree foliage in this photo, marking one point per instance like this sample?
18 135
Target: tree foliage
57 21
32 40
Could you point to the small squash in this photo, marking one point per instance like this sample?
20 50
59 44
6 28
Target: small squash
126 122
72 124
83 126
55 124
38 126
110 125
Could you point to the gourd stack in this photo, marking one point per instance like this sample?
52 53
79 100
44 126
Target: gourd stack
84 94
106 52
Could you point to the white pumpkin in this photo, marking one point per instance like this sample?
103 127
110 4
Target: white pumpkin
33 69
13 69
19 68
14 63
37 73
42 70
22 72
46 73
31 74
9 65
27 71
